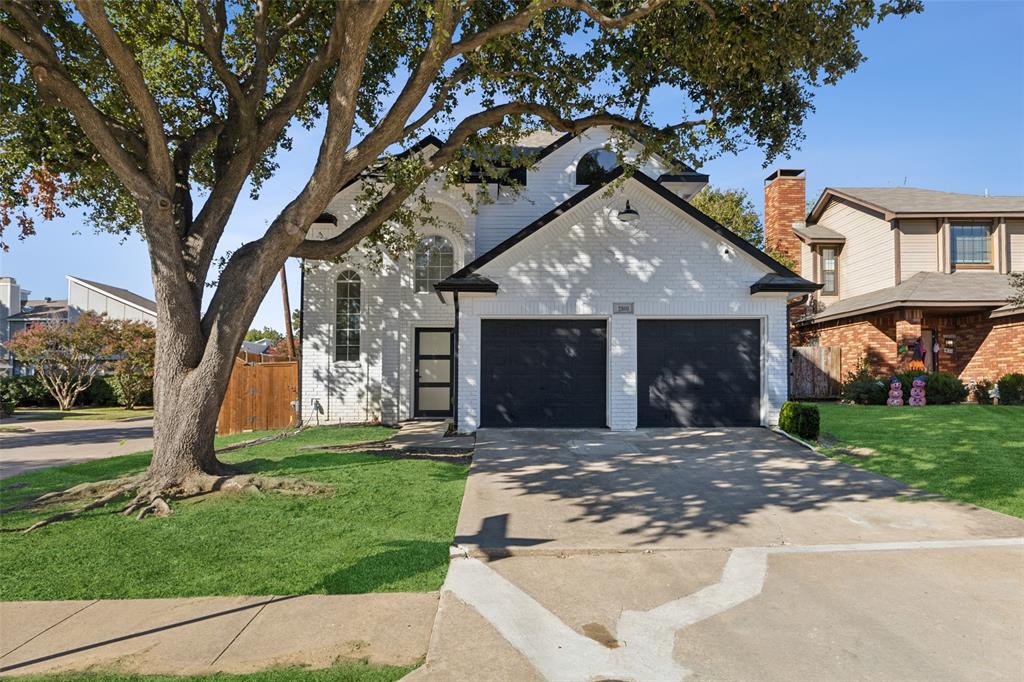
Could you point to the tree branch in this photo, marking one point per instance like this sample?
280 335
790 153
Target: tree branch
521 21
332 248
52 78
158 160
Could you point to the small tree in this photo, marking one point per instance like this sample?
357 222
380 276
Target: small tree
268 333
734 210
133 344
66 356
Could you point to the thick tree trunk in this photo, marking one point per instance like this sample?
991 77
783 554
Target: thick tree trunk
185 423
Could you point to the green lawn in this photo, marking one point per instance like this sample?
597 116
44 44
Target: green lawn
387 527
971 453
342 672
105 413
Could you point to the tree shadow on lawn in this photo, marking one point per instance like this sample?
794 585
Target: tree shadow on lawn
312 463
385 571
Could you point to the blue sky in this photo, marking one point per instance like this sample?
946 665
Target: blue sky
939 104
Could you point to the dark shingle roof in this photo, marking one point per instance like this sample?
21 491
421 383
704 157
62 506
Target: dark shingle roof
40 309
123 294
915 200
927 288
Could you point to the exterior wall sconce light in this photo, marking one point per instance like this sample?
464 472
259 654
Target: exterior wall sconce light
628 214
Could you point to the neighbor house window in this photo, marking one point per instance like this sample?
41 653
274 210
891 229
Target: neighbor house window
595 166
349 309
828 270
971 243
435 260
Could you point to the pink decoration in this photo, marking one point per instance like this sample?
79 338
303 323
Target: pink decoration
895 393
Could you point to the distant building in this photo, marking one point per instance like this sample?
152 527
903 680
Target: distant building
18 312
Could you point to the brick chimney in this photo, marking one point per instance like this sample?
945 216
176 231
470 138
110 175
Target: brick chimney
785 203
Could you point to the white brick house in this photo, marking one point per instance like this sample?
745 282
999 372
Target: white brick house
552 308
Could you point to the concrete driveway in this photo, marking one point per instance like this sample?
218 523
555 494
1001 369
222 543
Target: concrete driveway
720 555
55 442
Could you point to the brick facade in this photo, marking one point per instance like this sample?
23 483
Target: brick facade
983 348
785 203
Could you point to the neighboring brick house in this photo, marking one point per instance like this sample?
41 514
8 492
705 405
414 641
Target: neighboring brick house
567 304
909 276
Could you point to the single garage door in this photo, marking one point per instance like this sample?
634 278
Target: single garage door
698 372
542 373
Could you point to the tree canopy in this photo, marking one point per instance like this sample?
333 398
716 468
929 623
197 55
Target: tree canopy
733 209
154 115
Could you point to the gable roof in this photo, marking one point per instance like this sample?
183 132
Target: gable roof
129 297
902 201
948 289
464 275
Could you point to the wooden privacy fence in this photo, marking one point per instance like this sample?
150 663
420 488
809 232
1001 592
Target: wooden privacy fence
816 372
260 396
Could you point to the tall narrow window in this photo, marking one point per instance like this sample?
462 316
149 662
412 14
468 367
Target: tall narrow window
828 270
435 260
971 243
348 317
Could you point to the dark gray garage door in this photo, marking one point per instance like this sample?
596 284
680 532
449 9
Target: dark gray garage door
698 372
542 373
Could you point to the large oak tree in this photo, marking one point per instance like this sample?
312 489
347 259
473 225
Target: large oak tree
154 115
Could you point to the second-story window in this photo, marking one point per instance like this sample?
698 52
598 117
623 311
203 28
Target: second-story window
971 243
829 268
435 260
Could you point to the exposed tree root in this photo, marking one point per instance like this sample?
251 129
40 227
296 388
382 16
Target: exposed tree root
152 497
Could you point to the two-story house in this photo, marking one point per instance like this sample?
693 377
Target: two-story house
909 277
576 301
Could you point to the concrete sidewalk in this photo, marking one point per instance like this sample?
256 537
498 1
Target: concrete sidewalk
214 634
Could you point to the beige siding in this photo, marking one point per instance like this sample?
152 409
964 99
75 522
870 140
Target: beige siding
867 261
806 262
919 247
1015 235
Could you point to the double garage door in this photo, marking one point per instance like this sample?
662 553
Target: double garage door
553 373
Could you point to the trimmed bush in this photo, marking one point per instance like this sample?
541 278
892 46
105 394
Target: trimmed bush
25 391
863 389
1011 389
944 389
100 393
981 392
800 419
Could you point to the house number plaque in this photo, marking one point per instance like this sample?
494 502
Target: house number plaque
622 308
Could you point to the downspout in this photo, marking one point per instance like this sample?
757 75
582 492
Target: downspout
455 365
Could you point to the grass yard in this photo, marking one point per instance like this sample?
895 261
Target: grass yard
971 453
387 527
342 672
103 413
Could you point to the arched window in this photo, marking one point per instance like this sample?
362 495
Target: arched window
349 309
595 166
435 260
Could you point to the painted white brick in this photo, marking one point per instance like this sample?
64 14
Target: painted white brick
578 266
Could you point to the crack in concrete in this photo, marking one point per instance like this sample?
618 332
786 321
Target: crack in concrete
48 628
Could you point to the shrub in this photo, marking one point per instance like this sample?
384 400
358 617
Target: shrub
981 392
101 393
25 391
862 389
800 419
944 389
1011 389
7 408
